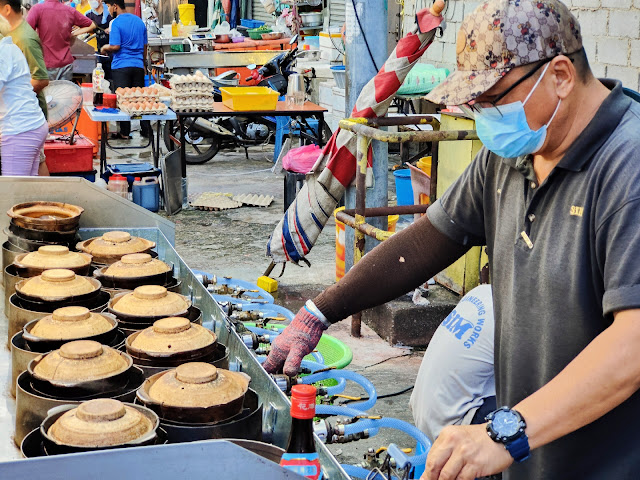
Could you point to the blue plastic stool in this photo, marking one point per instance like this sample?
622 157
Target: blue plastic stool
282 129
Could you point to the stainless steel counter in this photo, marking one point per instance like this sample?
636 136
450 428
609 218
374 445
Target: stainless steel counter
218 59
116 212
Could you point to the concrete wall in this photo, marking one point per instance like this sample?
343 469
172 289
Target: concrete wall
610 30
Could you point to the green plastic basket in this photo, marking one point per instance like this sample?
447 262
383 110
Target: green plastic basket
256 33
336 354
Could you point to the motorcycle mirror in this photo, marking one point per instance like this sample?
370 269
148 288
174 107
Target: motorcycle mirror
294 39
252 66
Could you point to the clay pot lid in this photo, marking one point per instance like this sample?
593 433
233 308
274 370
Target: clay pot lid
172 335
53 256
137 265
80 361
57 283
151 301
198 384
116 243
102 422
70 323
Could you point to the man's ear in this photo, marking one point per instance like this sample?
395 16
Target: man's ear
564 74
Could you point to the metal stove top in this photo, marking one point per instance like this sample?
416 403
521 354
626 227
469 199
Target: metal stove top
167 462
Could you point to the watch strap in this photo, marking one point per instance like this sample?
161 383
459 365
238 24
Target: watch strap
519 448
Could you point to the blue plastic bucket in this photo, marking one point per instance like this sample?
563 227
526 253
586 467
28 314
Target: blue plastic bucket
404 190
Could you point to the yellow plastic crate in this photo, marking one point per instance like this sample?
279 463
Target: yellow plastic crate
249 98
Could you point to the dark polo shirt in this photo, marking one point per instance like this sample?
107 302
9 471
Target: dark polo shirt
564 256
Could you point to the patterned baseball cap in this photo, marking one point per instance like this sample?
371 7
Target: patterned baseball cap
503 34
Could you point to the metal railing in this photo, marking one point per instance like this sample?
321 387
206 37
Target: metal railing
368 130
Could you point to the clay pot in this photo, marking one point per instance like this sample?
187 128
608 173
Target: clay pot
47 216
171 341
136 265
110 247
57 285
195 393
149 303
98 424
135 270
67 324
79 369
52 256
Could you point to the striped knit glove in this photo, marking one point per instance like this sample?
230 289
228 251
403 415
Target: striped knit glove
294 343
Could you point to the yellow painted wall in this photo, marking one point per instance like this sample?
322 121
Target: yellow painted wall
453 158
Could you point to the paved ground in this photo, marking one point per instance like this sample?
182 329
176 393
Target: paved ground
233 243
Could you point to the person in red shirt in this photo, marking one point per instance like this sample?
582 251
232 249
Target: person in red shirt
56 25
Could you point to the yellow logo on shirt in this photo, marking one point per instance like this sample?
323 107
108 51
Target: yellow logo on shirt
576 211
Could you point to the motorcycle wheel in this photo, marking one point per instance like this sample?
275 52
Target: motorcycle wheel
202 146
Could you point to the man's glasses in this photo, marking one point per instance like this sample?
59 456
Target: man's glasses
478 107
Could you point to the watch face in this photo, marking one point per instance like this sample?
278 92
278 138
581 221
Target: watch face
505 424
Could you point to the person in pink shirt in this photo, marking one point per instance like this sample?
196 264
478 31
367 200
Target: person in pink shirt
56 24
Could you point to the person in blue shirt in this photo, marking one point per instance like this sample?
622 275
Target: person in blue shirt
128 44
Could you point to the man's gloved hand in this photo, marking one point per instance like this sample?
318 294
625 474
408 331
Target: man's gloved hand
294 343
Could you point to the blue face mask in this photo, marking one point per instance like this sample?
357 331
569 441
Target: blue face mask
506 131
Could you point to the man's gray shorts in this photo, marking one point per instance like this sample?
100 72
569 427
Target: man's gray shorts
61 73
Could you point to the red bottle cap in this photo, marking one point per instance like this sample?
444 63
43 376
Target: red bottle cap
303 401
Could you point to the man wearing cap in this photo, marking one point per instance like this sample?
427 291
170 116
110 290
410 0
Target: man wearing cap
555 196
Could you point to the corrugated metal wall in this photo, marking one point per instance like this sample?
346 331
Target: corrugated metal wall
336 9
336 13
259 13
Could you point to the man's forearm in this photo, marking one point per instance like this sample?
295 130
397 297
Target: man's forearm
39 85
395 267
601 377
80 31
110 48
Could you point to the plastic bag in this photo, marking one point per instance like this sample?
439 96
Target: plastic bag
301 159
222 29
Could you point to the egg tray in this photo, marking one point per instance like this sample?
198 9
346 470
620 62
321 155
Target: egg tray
192 97
136 112
124 103
192 88
137 91
162 90
138 98
192 108
254 200
189 82
215 201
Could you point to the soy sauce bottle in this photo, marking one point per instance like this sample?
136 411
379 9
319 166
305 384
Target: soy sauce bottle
301 456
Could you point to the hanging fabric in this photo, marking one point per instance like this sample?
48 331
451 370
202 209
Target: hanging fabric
334 171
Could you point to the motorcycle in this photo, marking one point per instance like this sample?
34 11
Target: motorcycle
205 138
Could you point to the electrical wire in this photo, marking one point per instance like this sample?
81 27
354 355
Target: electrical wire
364 36
341 52
382 361
388 395
233 174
